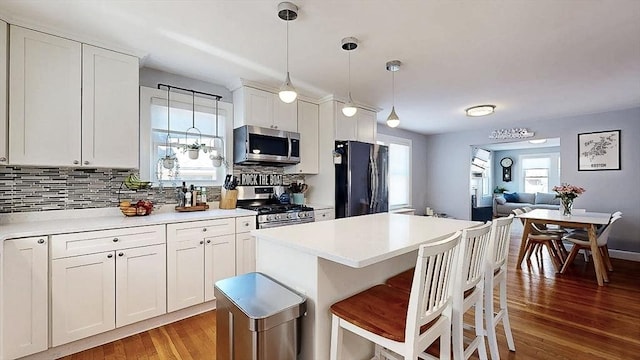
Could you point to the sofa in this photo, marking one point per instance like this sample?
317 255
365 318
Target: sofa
504 203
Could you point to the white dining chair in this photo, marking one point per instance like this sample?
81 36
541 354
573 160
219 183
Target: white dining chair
581 241
496 275
468 291
400 322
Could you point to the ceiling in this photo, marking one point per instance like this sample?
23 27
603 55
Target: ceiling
534 60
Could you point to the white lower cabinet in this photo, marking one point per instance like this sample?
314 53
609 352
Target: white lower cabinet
107 284
245 245
24 314
199 253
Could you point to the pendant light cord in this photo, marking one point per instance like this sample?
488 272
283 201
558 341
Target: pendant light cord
349 75
393 89
193 110
166 143
287 43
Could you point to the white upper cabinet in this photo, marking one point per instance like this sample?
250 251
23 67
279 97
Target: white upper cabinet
264 109
4 121
71 104
360 127
308 123
109 108
44 91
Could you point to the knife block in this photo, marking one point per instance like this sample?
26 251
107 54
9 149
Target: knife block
228 199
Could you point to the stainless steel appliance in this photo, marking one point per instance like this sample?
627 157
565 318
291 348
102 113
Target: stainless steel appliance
271 212
361 178
256 145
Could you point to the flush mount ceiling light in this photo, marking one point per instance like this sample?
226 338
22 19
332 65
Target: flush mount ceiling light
480 110
538 141
349 44
287 12
393 120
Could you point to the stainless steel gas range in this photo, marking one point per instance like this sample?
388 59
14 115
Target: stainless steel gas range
271 212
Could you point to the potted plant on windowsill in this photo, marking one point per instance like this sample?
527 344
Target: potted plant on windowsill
499 190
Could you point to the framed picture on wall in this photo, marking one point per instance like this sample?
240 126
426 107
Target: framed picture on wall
599 151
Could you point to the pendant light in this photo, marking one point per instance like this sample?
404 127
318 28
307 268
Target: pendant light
349 44
393 120
287 12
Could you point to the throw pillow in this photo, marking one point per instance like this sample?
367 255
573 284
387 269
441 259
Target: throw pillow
545 198
511 197
500 200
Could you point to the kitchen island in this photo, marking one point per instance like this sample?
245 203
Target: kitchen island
330 260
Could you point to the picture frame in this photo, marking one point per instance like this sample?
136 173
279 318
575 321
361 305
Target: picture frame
599 151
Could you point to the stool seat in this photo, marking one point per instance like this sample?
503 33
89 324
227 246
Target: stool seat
402 281
381 310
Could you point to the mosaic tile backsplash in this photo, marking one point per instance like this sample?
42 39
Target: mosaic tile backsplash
24 189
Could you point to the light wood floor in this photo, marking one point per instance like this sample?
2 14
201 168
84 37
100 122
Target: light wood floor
552 316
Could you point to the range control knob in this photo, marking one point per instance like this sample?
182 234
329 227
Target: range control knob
269 217
302 215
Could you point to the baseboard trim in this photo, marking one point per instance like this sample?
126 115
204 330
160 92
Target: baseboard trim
624 255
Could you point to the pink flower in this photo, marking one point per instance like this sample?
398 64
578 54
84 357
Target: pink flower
567 191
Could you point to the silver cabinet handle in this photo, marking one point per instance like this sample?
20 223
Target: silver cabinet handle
275 126
115 239
120 254
208 241
110 256
40 241
3 159
76 162
204 229
86 162
201 242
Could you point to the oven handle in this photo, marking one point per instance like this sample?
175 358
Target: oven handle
289 147
285 223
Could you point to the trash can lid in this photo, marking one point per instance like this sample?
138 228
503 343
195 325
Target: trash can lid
258 296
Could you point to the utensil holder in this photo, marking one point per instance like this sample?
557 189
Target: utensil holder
297 198
228 199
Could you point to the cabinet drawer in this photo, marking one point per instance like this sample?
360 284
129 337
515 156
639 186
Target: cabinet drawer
245 224
324 214
201 229
105 240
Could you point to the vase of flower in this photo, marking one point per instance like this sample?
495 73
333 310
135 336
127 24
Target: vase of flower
567 193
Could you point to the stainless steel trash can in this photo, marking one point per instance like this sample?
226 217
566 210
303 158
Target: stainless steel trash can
257 318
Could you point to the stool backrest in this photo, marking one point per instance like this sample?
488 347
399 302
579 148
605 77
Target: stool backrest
517 212
431 290
499 245
474 243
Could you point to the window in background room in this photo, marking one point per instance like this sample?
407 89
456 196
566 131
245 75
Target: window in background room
535 172
399 170
153 137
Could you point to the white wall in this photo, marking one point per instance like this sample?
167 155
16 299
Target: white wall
418 168
447 158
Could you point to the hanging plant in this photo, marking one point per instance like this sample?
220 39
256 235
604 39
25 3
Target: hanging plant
194 150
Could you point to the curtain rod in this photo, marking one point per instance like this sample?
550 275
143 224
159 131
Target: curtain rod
217 97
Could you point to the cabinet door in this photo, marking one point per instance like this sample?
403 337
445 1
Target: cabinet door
308 122
366 126
4 120
245 253
44 99
24 297
185 267
83 293
110 123
285 116
258 107
220 261
141 286
346 127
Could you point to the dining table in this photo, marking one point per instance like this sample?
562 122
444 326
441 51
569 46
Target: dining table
582 220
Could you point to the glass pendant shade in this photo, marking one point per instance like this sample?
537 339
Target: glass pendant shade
287 92
393 120
349 109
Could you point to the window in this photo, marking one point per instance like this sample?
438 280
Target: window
399 170
536 174
154 140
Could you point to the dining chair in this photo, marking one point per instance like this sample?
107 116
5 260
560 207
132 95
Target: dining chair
582 233
538 239
405 323
496 275
581 241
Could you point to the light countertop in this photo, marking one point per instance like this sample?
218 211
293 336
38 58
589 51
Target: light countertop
363 240
61 222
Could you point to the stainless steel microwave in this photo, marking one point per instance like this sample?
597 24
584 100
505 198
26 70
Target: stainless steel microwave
257 145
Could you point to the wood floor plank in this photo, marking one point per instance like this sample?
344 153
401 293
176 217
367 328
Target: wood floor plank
553 316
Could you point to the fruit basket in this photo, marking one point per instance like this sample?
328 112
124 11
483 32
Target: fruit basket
140 208
133 182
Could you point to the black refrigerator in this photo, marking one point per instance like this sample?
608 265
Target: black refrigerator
362 185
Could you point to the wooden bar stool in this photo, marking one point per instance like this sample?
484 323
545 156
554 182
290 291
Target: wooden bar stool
496 275
405 323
